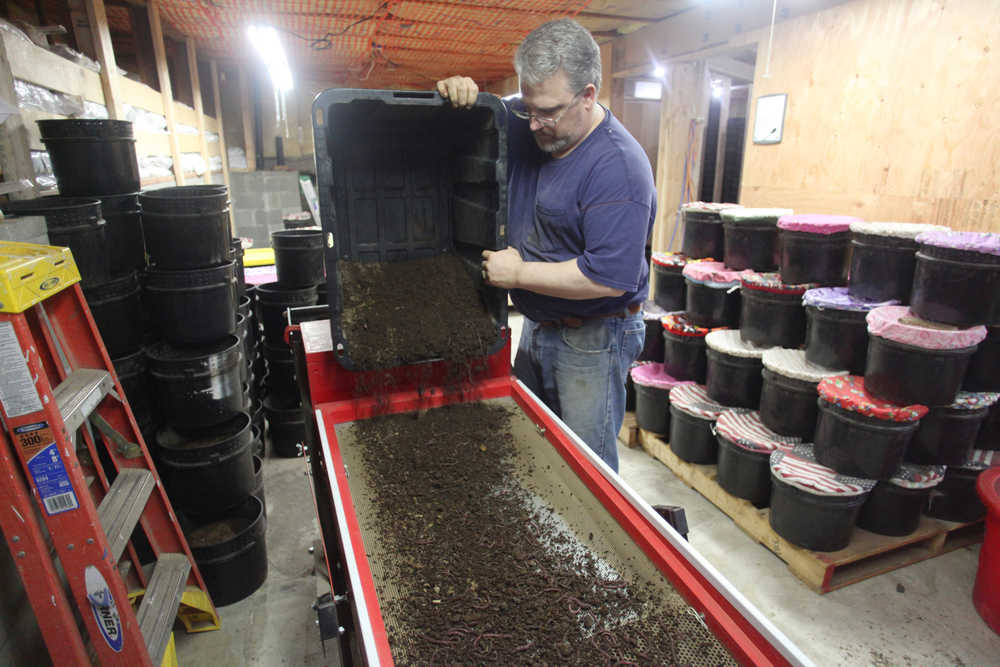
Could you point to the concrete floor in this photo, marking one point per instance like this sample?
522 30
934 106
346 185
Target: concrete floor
918 615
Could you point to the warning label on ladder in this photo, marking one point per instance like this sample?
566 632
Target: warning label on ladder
17 390
46 467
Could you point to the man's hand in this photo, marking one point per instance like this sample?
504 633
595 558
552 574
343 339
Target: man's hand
461 90
502 268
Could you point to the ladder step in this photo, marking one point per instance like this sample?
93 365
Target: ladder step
123 505
159 605
80 393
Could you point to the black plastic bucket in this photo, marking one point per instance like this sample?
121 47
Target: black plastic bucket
814 258
668 286
272 302
257 419
691 437
989 433
243 332
208 471
231 552
751 245
281 383
955 498
652 345
286 427
236 255
734 381
709 306
258 476
73 222
91 157
257 443
788 405
983 373
117 310
652 408
882 267
197 386
684 357
298 257
131 371
904 374
813 521
946 436
770 319
744 473
123 231
321 298
893 510
837 338
300 220
186 227
703 234
192 306
956 287
858 445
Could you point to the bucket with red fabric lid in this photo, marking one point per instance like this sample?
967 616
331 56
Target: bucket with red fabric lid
815 248
703 235
630 386
713 294
692 418
668 280
858 434
983 373
836 330
986 593
652 397
684 347
772 314
911 360
955 498
750 238
813 506
652 347
883 256
895 504
788 394
733 374
957 278
947 433
745 446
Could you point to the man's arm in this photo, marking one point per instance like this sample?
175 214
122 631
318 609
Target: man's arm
505 268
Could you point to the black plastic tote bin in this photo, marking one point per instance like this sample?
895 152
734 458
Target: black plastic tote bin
733 376
957 278
745 447
91 157
703 234
131 372
788 393
286 427
197 386
692 421
883 257
815 248
668 281
855 444
231 552
186 227
836 329
652 345
955 498
751 238
902 373
449 170
772 314
117 309
298 257
684 351
895 505
948 433
123 230
983 373
713 295
652 405
192 306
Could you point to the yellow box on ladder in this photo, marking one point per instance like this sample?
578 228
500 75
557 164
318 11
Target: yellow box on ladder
30 272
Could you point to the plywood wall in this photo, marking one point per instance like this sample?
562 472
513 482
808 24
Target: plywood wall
893 114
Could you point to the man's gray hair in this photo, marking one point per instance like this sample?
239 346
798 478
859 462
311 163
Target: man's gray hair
562 44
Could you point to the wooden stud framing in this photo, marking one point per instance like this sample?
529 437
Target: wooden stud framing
163 73
720 148
192 58
218 117
248 141
105 56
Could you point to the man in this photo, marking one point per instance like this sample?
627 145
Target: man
581 203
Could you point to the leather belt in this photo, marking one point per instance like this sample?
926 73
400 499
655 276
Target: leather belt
577 322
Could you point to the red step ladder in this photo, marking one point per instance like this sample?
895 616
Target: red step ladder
71 455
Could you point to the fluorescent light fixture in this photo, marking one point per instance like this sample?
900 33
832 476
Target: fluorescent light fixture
265 40
659 72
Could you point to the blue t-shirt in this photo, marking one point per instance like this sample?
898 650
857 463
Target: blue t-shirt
597 204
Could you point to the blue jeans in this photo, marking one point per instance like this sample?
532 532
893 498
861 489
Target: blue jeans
580 374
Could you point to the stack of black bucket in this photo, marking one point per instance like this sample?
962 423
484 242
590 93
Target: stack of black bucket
298 259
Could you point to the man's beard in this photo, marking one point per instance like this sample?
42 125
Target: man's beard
553 145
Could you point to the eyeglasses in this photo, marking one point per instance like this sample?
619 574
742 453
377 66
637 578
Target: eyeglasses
545 121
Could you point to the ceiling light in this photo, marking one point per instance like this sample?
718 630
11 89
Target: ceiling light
659 72
265 41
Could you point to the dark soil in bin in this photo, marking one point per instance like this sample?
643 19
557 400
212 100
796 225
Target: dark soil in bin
216 532
395 313
486 574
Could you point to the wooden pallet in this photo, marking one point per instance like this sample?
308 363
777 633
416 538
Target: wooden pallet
629 433
866 556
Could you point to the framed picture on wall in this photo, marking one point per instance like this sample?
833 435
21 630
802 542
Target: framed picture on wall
769 119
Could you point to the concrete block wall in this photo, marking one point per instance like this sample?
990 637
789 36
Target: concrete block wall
259 200
29 229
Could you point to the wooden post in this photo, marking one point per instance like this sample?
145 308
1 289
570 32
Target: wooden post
248 141
686 95
106 56
720 148
163 74
15 151
192 57
218 117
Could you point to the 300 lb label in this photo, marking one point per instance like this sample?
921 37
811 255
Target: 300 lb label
46 467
